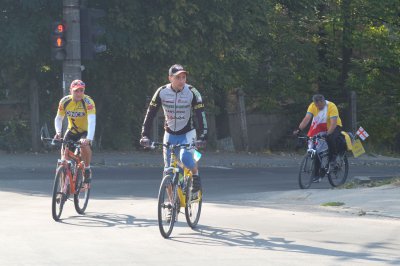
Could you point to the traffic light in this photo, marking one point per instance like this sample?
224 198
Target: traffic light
91 32
58 48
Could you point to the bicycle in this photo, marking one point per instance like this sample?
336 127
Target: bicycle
176 191
69 180
315 164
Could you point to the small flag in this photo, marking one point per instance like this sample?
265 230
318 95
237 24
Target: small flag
362 133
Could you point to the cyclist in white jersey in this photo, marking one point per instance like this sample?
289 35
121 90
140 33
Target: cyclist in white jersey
179 101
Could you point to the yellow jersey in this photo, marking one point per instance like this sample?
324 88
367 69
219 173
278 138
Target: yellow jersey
322 118
76 112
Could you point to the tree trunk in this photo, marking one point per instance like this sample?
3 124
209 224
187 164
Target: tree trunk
346 45
34 106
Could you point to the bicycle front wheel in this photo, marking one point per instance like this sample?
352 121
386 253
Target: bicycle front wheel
338 175
307 171
59 193
82 193
167 206
193 204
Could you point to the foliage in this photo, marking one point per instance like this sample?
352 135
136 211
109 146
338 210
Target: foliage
279 52
13 136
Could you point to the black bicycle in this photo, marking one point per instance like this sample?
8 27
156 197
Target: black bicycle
315 164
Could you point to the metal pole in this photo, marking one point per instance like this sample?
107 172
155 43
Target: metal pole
72 64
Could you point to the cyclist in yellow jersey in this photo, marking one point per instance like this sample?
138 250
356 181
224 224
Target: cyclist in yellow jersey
325 120
81 113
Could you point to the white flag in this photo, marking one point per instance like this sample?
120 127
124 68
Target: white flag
362 133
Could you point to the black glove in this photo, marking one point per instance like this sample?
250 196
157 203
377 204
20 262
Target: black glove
201 142
145 141
202 137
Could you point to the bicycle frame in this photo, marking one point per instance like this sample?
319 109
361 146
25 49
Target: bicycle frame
173 168
312 146
174 165
70 158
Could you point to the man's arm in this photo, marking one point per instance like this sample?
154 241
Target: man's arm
303 123
151 113
333 114
306 120
59 118
91 126
333 125
198 107
58 125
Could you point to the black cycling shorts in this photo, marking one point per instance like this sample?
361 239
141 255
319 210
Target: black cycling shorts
74 137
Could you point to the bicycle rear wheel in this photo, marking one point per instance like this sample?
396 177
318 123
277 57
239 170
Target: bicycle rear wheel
167 206
338 175
81 196
307 171
59 193
193 204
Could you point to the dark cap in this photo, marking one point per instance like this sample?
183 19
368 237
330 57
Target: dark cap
176 70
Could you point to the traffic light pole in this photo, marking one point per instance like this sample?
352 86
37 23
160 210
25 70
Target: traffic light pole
72 63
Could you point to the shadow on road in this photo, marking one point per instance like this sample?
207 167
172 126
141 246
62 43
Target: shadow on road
95 219
218 236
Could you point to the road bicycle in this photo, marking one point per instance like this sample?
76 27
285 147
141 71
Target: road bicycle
315 164
176 191
69 179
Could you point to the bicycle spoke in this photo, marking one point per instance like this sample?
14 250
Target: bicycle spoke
166 207
338 175
306 172
59 197
193 205
81 197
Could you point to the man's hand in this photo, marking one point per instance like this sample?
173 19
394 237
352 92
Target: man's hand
296 132
57 136
201 142
85 142
145 141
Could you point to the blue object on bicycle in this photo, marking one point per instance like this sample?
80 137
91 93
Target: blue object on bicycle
196 155
187 158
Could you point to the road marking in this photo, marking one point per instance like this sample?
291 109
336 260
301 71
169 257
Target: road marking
220 167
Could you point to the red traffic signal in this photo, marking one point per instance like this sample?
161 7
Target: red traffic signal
60 28
58 51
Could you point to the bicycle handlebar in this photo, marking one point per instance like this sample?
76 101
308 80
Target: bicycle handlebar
53 141
314 137
154 144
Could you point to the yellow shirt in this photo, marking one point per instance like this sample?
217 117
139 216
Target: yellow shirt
76 112
333 112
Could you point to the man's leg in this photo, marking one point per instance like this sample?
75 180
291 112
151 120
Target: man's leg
187 159
86 154
332 143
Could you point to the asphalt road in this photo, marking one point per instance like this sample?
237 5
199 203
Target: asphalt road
120 225
136 182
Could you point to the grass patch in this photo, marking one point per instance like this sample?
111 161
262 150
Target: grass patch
373 183
332 204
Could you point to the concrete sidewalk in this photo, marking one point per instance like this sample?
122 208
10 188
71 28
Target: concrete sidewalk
383 201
